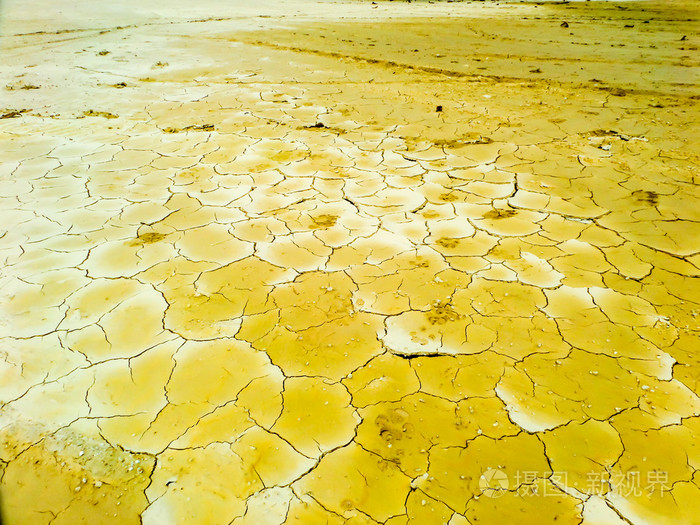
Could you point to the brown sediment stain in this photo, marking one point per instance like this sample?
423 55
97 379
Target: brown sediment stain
13 113
458 143
449 197
500 214
148 238
22 85
615 91
387 289
603 133
193 127
647 197
441 313
104 114
324 221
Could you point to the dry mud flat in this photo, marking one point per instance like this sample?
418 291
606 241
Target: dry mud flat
350 263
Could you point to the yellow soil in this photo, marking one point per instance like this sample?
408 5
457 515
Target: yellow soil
346 262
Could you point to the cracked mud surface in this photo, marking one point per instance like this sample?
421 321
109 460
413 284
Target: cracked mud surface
342 263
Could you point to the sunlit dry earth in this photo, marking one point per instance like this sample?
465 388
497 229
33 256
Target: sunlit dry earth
344 262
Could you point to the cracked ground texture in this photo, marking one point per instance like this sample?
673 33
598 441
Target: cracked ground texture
336 262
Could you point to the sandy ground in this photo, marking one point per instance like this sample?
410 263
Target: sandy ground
344 262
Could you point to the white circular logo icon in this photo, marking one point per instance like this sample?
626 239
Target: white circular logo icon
493 483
